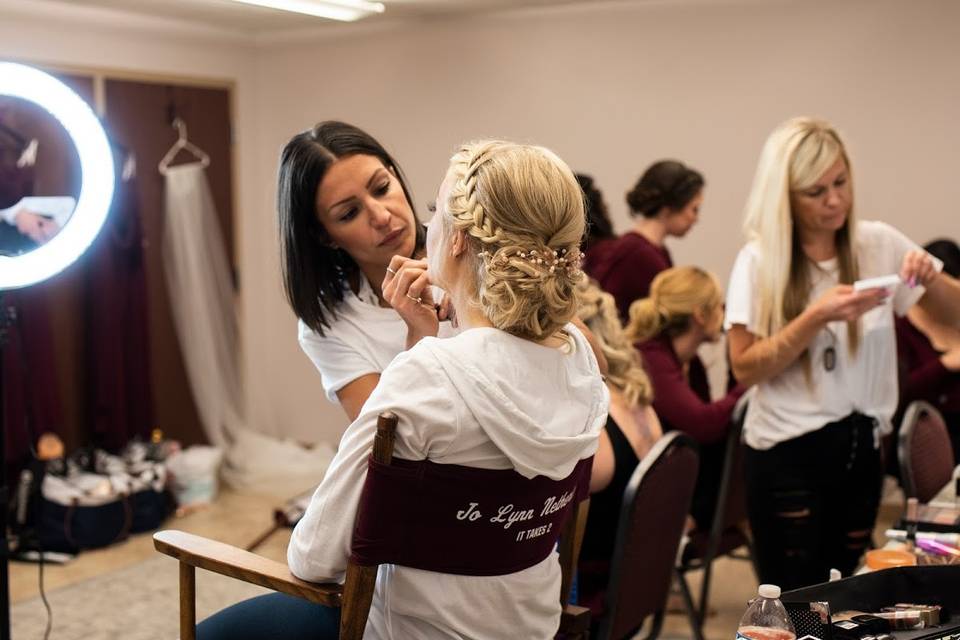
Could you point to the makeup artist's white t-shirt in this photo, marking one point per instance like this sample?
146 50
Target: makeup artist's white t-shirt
785 406
363 339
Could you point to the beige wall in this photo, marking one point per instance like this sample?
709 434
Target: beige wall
611 86
619 85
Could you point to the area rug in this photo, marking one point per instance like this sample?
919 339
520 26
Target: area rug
139 602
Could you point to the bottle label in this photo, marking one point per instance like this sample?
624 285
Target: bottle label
764 633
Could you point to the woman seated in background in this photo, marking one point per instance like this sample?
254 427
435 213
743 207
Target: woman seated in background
683 311
631 430
666 202
517 389
346 216
929 353
599 228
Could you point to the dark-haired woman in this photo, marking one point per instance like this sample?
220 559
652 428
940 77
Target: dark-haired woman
346 219
666 202
928 353
599 228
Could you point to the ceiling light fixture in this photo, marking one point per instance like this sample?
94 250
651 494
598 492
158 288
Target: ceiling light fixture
344 10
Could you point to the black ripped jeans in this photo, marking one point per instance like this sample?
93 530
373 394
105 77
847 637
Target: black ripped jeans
813 502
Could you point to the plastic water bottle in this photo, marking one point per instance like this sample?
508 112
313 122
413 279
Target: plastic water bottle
766 618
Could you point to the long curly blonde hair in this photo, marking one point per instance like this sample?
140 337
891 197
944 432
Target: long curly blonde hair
598 311
522 212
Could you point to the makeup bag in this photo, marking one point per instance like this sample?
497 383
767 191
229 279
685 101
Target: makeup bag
87 511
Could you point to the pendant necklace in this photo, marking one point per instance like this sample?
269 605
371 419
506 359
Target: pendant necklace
830 353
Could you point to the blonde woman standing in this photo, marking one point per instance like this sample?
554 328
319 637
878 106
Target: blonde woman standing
683 311
632 428
822 354
518 390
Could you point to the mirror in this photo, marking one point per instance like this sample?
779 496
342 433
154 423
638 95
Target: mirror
39 176
86 153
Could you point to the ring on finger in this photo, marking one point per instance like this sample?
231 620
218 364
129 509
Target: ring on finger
391 271
418 300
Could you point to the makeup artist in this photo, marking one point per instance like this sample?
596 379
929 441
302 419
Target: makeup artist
346 221
821 354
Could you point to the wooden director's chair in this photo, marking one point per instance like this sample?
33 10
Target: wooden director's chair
355 595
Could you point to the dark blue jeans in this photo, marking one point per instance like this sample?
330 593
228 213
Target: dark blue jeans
275 616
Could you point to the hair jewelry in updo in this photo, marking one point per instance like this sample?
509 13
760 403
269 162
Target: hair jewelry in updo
522 210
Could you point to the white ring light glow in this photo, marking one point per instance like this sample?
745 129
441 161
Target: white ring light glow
96 166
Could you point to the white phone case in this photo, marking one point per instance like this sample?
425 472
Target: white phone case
877 283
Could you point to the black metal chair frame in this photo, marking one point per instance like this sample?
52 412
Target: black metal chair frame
698 614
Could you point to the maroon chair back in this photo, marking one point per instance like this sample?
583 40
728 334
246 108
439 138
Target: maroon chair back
925 452
652 517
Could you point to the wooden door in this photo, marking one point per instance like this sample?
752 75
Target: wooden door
139 116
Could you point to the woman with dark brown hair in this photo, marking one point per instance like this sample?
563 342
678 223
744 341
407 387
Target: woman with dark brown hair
346 221
666 202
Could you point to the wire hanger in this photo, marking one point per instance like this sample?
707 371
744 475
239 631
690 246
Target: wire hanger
182 144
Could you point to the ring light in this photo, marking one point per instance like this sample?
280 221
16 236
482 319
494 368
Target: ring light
96 166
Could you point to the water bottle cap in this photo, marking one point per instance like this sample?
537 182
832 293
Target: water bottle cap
769 591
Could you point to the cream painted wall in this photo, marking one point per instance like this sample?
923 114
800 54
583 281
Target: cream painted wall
613 87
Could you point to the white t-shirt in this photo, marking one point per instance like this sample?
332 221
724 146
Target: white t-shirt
363 339
484 399
785 406
57 207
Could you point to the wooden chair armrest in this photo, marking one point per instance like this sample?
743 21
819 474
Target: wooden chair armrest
236 563
574 622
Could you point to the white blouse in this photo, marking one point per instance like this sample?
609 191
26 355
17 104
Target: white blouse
482 399
363 339
786 406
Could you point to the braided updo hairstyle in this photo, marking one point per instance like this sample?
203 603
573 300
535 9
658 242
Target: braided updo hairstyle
666 183
522 212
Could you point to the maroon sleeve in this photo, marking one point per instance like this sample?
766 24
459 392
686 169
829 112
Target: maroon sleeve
923 381
921 372
679 407
627 276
